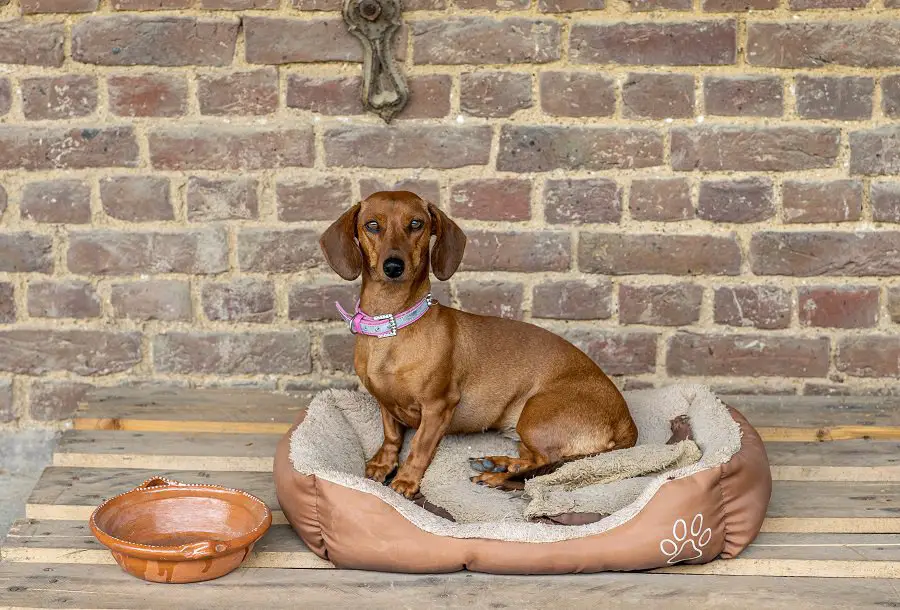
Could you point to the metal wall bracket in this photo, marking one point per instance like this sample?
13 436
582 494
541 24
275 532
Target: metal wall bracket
374 23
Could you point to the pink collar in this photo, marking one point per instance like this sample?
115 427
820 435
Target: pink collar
386 325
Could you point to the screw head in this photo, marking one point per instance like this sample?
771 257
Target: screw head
369 9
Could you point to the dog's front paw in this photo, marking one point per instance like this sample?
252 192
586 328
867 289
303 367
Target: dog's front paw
405 487
378 470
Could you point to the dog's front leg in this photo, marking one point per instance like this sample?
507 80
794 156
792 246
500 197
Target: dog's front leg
436 418
386 458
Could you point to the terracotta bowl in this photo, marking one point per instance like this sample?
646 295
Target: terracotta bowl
165 531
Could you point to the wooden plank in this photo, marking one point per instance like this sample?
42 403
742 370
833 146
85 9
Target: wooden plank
36 541
834 556
839 461
71 586
210 410
72 494
225 411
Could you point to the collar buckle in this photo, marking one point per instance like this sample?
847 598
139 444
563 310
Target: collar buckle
391 322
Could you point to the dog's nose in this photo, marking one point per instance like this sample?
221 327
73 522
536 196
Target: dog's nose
393 268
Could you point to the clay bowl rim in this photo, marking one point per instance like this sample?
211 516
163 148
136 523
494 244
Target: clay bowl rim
188 552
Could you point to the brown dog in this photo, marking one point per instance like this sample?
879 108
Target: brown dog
452 371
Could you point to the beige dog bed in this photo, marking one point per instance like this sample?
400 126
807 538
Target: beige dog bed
649 506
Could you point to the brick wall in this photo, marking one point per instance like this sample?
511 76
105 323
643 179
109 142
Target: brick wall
704 190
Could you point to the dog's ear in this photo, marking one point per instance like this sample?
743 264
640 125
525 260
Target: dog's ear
338 242
448 249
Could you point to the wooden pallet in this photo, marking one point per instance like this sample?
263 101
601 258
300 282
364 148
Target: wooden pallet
834 517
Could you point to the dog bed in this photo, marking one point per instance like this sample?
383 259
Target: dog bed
705 498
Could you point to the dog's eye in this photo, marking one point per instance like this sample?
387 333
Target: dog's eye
372 226
416 224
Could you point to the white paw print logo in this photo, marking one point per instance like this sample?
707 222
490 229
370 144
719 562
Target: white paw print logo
686 545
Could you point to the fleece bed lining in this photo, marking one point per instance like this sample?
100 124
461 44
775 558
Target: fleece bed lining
342 429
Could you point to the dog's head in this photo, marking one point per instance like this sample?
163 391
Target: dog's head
388 236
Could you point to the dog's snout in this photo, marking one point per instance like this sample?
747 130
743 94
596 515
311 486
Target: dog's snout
393 268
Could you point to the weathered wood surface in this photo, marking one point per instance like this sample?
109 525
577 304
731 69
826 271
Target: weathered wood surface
858 460
73 587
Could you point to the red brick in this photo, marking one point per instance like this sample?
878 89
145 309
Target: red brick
663 199
634 254
484 40
6 96
146 95
26 253
570 6
617 353
243 300
885 201
745 95
812 44
869 356
150 5
429 190
211 200
577 94
875 151
34 7
221 147
894 303
658 96
32 43
659 5
7 407
325 199
311 302
532 148
747 355
572 300
83 352
336 354
238 5
740 201
167 300
7 303
325 95
663 305
429 97
839 307
136 198
273 353
835 97
759 306
695 43
68 299
131 40
278 251
44 148
802 5
58 97
55 400
738 6
825 253
835 201
241 93
491 199
581 201
287 41
437 146
514 251
109 252
754 148
494 94
57 201
890 95
491 298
